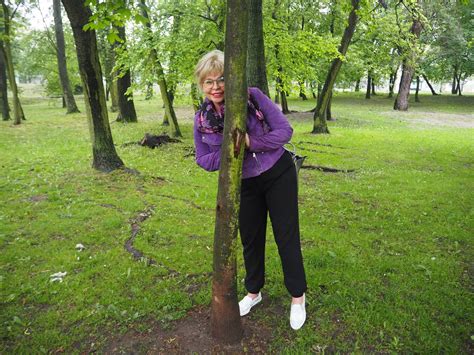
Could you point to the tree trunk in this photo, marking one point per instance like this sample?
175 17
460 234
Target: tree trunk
114 106
105 158
311 85
4 107
149 91
161 77
225 319
61 55
126 106
459 85
372 84
357 86
417 98
7 54
197 101
391 85
284 102
401 102
369 85
455 77
302 94
433 92
320 114
328 110
277 93
256 69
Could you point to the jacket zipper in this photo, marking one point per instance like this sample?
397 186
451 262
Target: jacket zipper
258 163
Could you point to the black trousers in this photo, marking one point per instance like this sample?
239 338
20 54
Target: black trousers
275 192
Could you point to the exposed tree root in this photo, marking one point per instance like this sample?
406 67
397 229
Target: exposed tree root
137 254
327 169
315 150
321 144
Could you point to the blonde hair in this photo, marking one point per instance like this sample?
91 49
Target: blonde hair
212 62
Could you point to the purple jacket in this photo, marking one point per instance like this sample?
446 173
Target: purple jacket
265 148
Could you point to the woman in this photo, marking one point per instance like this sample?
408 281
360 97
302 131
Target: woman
269 183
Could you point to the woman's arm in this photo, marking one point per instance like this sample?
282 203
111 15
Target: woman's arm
280 130
206 159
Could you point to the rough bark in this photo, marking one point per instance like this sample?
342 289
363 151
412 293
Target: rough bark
256 69
401 102
105 157
7 54
68 96
4 107
169 110
225 319
320 114
126 106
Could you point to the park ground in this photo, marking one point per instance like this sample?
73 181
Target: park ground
387 241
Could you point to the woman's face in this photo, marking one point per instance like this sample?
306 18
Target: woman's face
213 87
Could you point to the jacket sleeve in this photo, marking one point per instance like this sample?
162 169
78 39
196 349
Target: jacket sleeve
206 159
280 129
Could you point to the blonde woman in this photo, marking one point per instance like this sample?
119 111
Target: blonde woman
269 184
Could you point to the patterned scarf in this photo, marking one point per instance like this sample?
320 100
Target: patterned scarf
211 121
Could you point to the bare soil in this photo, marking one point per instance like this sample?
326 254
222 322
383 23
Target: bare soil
189 335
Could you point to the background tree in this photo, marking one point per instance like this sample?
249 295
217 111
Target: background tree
61 55
105 157
5 32
408 66
320 114
256 68
4 107
126 106
225 317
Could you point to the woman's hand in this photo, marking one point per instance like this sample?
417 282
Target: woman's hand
247 141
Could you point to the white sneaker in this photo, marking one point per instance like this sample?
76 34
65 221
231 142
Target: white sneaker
247 303
298 314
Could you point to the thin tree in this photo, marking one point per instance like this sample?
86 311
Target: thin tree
169 110
320 114
126 106
433 92
280 90
369 85
256 69
408 66
68 96
105 157
3 86
7 55
225 318
417 96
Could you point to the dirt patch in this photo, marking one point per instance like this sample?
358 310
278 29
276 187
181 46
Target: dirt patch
439 119
189 335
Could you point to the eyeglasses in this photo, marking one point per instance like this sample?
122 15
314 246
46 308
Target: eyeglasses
209 83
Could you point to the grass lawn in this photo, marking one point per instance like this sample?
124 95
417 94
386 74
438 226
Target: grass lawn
388 248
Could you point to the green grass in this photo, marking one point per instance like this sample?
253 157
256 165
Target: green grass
387 248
